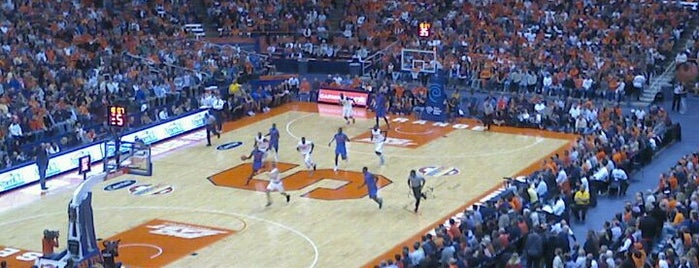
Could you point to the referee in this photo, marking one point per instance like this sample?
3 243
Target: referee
210 121
416 182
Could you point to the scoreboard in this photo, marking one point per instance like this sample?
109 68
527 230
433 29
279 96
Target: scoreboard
116 116
424 29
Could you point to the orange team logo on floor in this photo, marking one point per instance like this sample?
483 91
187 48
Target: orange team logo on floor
301 180
159 242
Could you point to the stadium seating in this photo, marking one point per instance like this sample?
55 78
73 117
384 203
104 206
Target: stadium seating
56 79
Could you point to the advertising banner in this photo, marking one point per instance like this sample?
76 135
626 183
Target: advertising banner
333 96
69 160
436 97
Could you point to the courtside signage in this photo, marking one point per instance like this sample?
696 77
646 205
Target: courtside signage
333 96
68 161
119 185
228 146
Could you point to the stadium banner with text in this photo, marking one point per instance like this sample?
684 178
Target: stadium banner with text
68 160
435 106
326 95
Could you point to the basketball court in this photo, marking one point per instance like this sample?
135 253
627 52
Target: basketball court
196 211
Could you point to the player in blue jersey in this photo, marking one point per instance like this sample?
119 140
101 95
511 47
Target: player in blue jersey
380 109
273 135
257 159
371 182
341 141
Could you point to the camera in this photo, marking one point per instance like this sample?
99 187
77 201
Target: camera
51 234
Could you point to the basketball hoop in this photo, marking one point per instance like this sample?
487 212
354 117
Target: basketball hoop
423 60
415 72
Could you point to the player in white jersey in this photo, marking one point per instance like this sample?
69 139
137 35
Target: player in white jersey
262 144
346 103
275 184
259 138
306 147
379 137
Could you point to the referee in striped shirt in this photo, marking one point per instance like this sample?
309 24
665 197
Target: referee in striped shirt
416 182
210 122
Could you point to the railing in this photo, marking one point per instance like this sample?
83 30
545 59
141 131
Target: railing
201 75
242 51
368 63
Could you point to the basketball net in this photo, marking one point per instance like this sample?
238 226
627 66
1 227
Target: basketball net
415 72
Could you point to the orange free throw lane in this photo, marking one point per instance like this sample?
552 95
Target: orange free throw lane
397 249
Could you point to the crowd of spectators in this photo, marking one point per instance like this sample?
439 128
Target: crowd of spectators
660 227
322 29
594 49
529 224
62 62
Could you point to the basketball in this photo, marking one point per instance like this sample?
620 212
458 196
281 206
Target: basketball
242 157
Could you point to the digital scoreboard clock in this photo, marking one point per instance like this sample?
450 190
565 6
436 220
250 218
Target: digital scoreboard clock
116 116
424 29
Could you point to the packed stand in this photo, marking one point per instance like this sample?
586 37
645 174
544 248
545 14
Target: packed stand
63 62
659 228
298 29
594 49
529 224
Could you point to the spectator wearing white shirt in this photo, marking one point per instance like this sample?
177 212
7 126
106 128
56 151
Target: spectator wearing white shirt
562 176
681 57
620 176
417 255
542 189
548 84
600 179
218 106
15 130
207 100
575 111
587 87
677 93
163 115
53 148
294 84
620 90
558 207
638 81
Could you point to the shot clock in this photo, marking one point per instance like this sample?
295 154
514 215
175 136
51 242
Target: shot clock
424 29
116 116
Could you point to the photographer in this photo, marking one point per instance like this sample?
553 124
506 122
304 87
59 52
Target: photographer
49 242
